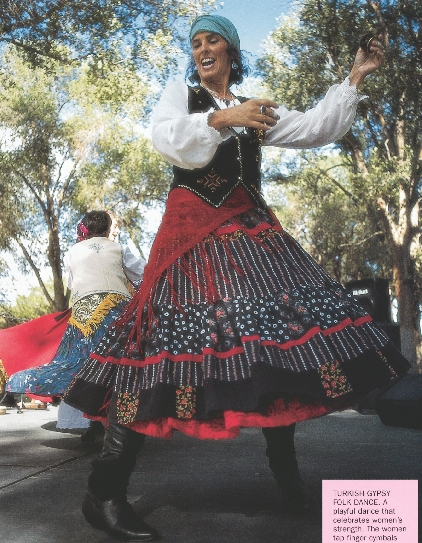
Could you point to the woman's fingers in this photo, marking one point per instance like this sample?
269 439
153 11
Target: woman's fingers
268 112
264 126
264 102
254 113
370 58
263 112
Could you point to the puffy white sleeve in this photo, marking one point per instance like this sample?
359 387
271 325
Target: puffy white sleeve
132 265
327 122
184 140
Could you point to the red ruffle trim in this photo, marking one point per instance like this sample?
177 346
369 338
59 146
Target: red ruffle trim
229 425
199 358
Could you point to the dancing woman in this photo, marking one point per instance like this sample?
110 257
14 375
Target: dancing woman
235 325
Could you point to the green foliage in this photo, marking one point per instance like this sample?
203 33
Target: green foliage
124 175
76 90
75 30
330 223
69 143
314 48
122 172
25 308
32 145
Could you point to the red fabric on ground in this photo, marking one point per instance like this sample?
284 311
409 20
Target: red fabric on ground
46 399
32 343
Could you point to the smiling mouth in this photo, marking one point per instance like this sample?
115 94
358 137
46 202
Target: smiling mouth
207 62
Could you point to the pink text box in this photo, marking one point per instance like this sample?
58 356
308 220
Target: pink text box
369 511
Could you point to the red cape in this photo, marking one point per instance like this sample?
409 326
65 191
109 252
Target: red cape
32 343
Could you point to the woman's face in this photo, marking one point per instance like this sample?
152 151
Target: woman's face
210 53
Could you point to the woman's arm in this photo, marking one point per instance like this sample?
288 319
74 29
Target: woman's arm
185 140
190 141
332 117
132 265
328 121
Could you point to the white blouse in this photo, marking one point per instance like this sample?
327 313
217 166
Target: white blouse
186 140
133 266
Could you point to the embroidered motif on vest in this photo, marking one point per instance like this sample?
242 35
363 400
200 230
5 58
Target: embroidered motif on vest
236 161
212 180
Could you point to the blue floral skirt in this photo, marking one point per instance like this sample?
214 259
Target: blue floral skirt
91 317
244 329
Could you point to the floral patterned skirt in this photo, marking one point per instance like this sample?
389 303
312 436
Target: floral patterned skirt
90 319
244 329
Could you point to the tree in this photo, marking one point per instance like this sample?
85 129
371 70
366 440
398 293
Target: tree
129 178
315 49
48 155
34 152
51 129
66 30
27 307
328 221
123 173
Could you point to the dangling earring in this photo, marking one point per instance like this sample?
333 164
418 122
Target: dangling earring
234 65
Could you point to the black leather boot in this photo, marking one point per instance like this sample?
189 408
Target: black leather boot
282 461
117 518
105 504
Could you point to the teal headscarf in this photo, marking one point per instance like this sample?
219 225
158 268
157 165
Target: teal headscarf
219 25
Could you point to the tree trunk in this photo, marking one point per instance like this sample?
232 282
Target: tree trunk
60 301
404 282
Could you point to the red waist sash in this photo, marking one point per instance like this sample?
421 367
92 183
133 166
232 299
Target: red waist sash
186 221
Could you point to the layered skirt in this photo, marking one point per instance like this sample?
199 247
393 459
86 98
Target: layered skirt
90 319
243 328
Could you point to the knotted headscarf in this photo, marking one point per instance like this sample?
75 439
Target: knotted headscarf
219 25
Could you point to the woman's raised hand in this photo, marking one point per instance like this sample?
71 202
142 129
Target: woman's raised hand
367 62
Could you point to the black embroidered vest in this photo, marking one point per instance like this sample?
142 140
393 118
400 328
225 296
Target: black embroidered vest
236 161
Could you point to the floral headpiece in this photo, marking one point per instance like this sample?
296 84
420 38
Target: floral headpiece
82 231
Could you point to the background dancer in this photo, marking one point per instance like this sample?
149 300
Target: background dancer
97 272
